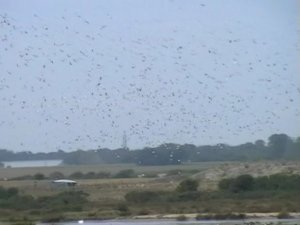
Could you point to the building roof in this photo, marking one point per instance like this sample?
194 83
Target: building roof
65 181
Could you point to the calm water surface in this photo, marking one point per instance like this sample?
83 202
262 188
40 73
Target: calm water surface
32 163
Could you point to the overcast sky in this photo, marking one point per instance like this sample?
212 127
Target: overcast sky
77 74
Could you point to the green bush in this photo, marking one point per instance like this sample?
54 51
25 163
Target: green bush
56 175
90 175
7 193
53 218
188 185
123 209
225 184
39 176
25 177
181 218
103 175
186 196
242 183
204 217
143 212
283 215
280 182
66 201
77 175
226 216
125 174
142 196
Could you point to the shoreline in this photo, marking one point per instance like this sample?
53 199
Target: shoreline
249 216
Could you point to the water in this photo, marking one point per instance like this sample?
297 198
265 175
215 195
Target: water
32 163
173 222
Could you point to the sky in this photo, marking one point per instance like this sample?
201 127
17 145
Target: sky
80 74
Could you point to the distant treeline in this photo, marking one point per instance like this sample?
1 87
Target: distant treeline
279 146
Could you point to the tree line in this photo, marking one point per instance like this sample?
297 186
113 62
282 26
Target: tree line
278 146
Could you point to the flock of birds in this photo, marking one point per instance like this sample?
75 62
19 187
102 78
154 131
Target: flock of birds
81 84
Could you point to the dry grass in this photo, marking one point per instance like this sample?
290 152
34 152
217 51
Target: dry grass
98 189
210 173
112 168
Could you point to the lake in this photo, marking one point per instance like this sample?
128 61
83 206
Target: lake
32 163
173 222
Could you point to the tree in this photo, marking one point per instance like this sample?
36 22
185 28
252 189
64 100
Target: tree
187 185
260 143
278 143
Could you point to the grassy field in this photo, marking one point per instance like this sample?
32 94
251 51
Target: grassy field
208 173
107 196
100 188
112 168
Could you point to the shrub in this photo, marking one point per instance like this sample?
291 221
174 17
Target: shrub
204 217
56 175
90 175
77 175
225 184
103 175
242 183
278 182
186 196
39 176
142 196
69 200
143 212
226 216
7 193
53 218
283 215
125 174
246 182
181 218
123 209
187 185
25 177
